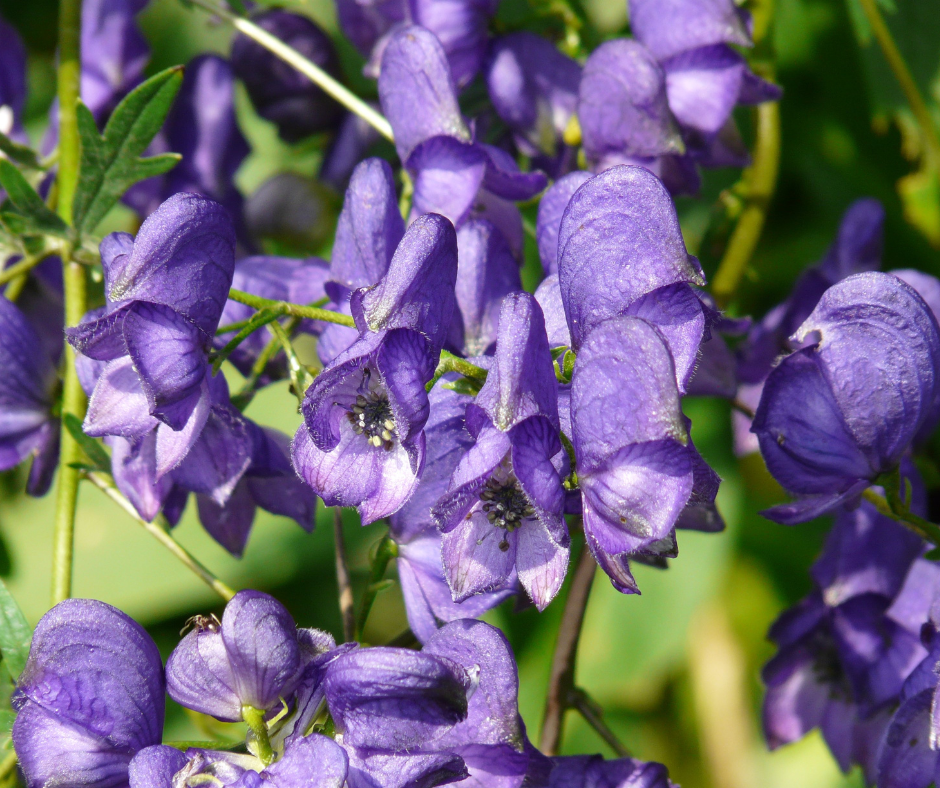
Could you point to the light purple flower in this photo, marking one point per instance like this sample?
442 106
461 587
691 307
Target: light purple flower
12 83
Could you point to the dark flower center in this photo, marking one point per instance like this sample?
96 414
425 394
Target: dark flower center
827 667
372 416
504 503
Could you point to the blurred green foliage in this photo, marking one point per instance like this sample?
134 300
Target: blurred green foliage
676 669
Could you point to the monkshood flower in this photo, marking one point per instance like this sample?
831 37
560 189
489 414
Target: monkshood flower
428 601
278 279
592 771
28 390
634 461
348 147
313 760
362 441
460 26
839 413
203 129
503 510
89 698
669 27
164 291
451 172
551 210
12 83
278 91
621 252
534 90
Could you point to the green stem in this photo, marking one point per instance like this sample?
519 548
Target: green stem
247 391
904 77
385 551
255 719
451 363
310 70
295 310
160 530
7 766
75 287
760 180
23 266
923 528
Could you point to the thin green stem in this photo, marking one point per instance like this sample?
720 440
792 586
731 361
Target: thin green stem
923 528
347 606
160 530
299 376
310 70
451 363
594 716
255 719
258 321
24 266
905 79
247 391
295 310
385 551
760 181
75 287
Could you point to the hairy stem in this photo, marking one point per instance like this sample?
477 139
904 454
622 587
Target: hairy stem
160 530
923 528
75 288
295 310
309 69
451 363
760 180
905 79
346 604
561 680
255 719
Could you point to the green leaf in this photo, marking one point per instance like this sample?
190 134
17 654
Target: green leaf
111 162
21 154
32 215
15 633
93 450
7 716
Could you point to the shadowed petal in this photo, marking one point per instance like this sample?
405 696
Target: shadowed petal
478 556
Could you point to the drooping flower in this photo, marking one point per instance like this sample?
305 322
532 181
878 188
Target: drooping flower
669 27
551 210
89 698
588 771
277 90
837 414
503 510
27 393
362 442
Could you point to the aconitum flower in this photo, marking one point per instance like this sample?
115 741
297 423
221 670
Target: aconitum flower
89 698
277 90
451 172
164 291
634 460
837 414
12 83
592 771
27 393
534 90
504 508
669 27
551 210
362 442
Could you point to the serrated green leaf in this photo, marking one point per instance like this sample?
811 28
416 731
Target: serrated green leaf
37 217
111 162
21 154
15 633
93 450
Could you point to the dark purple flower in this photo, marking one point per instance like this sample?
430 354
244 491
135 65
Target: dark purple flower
534 90
839 413
12 83
427 596
668 27
551 210
592 771
634 461
362 441
462 28
89 698
348 147
621 252
27 394
277 90
366 22
165 291
503 509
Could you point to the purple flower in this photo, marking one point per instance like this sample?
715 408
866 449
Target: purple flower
551 210
27 394
592 771
620 252
427 596
668 27
89 698
280 279
634 461
503 509
534 90
353 138
837 414
278 91
12 83
165 291
362 442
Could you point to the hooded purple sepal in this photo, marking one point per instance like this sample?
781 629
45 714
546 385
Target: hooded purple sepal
417 91
588 771
551 210
250 660
620 240
634 461
383 769
462 27
91 695
668 27
395 699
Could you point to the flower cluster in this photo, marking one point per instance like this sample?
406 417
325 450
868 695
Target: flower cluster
90 707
